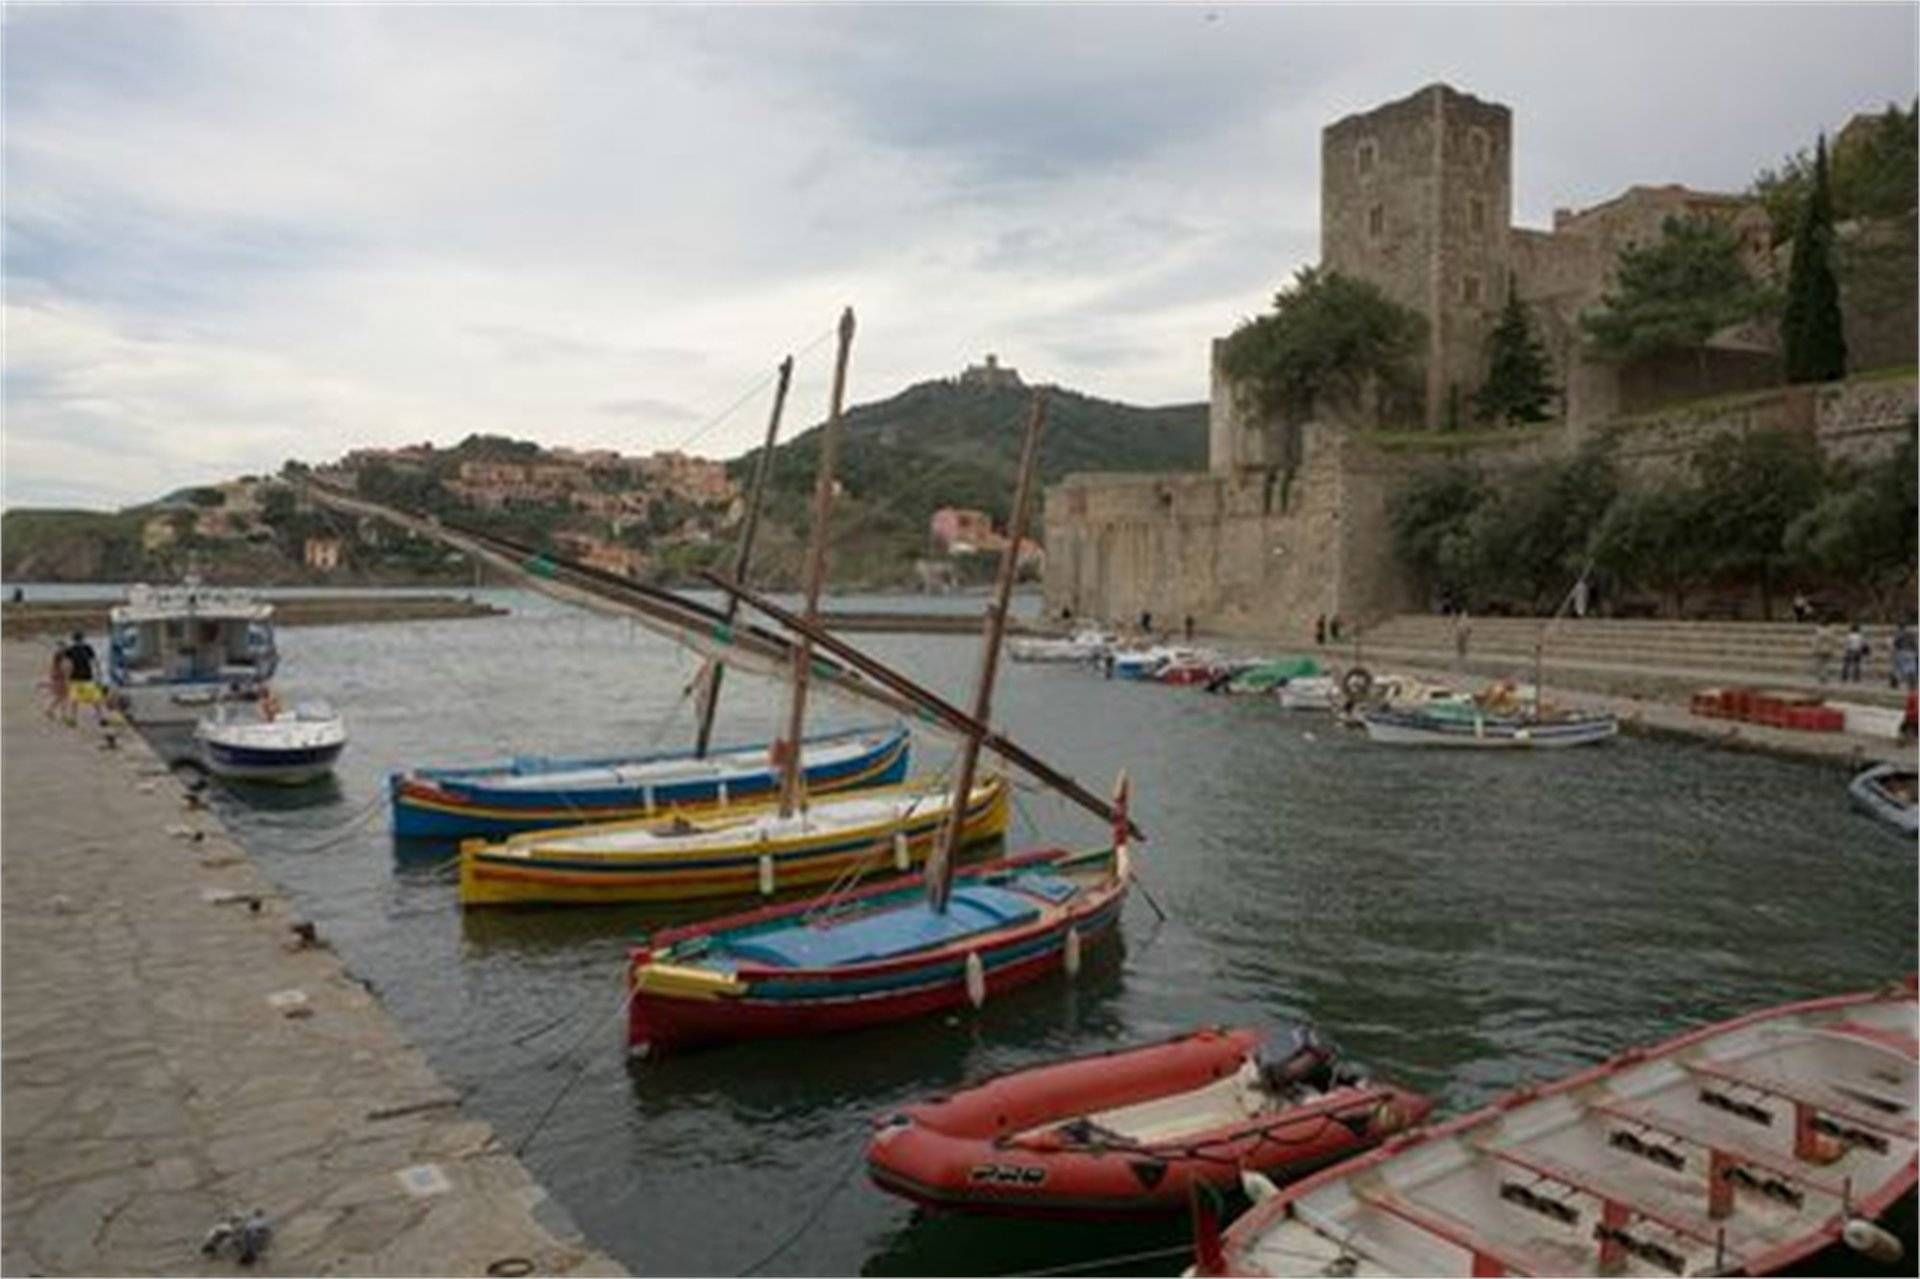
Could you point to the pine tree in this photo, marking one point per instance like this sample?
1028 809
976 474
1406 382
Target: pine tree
1517 388
1810 327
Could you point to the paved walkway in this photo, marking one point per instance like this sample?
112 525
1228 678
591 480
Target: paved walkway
170 1053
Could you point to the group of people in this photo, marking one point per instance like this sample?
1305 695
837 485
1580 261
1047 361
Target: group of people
1903 667
73 682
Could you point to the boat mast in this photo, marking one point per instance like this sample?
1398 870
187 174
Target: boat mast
710 695
940 869
816 573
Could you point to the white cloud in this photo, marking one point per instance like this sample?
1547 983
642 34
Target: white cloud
238 234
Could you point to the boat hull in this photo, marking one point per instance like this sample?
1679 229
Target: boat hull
998 1148
1746 1147
292 767
466 804
498 875
1870 795
673 1009
1486 732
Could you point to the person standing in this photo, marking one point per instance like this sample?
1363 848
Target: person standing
1462 633
1854 655
1188 628
1822 650
1904 672
58 678
1320 630
83 688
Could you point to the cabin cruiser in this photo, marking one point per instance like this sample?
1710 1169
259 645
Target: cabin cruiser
174 651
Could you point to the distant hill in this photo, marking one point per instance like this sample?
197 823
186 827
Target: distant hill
945 443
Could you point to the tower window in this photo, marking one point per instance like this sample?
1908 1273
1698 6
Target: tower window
1477 146
1470 290
1477 214
1377 221
1365 156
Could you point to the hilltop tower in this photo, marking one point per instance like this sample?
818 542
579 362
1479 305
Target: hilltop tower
1416 197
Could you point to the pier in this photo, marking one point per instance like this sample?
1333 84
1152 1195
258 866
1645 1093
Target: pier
176 1051
60 616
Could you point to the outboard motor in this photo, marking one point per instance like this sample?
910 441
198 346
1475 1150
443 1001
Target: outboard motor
1296 1057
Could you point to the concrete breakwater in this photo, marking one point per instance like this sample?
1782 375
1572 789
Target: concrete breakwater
37 617
175 1051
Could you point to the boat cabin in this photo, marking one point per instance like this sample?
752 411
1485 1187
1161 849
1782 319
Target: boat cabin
191 635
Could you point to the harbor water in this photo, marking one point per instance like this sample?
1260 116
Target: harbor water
1459 921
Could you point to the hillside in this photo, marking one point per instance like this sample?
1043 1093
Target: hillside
943 443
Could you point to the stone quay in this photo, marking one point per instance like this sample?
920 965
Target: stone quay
173 1051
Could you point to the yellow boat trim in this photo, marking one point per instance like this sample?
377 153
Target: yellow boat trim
674 981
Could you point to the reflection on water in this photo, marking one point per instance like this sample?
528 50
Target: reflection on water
1458 921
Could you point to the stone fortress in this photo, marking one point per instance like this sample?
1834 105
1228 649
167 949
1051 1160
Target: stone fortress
1290 521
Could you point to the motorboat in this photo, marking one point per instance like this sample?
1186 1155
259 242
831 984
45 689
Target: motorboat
735 851
1308 693
173 651
1268 675
535 792
1784 1138
288 747
1085 645
1887 792
1132 1132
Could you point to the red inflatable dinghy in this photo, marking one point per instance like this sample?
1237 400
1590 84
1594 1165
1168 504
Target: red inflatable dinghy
1126 1133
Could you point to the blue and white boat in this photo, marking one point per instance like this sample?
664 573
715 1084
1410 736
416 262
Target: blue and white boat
288 747
537 793
174 651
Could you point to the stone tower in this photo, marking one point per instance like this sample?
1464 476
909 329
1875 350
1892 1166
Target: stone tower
1416 196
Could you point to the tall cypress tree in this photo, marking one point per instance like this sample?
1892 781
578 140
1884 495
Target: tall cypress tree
1810 327
1517 388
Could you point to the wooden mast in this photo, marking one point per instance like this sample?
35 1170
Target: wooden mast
710 695
940 869
816 574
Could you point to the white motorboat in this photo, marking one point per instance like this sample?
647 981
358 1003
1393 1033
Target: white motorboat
1308 693
174 651
290 747
1082 646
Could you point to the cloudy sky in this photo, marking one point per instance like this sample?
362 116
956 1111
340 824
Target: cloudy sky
236 235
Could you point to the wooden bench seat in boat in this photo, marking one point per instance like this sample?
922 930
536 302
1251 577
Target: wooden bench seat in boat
1509 1256
1627 1195
1709 1139
1805 1093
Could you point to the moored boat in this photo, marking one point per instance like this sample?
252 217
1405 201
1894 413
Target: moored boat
288 747
1267 676
726 852
1888 792
173 651
1471 725
878 955
533 793
1081 646
1307 693
1130 1133
1745 1147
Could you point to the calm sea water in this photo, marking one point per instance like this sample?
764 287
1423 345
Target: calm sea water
1461 922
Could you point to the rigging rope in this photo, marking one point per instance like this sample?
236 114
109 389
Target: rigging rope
806 1223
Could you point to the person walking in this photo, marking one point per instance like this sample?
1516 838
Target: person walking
1904 672
1854 655
83 690
1822 650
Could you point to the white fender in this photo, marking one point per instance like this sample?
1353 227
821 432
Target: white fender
1257 1187
723 792
1522 735
902 854
1073 952
1871 1242
766 874
976 979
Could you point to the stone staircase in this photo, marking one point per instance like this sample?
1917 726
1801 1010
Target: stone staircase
1631 657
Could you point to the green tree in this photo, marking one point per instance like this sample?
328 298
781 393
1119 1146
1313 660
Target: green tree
1752 487
1330 337
1876 174
1653 537
1519 387
1810 327
1861 534
1433 507
1676 293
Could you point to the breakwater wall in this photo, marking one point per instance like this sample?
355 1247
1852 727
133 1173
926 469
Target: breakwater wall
32 617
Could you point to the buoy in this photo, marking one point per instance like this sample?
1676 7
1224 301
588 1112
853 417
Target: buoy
1871 1242
902 855
1257 1186
1522 735
766 874
1073 952
976 979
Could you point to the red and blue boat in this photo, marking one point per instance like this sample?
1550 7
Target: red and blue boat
532 793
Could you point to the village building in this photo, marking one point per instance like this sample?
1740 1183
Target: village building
322 554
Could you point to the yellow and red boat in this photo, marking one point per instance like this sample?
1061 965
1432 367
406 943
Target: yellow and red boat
729 852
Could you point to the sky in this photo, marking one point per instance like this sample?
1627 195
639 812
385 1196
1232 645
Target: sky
236 235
